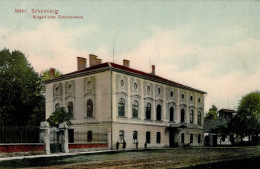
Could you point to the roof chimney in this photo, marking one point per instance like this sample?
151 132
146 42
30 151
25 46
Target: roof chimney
52 73
81 63
93 59
153 69
126 63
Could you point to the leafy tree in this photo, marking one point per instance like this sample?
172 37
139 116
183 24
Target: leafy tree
247 120
212 114
60 115
20 90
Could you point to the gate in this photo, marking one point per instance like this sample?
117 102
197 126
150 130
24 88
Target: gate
55 141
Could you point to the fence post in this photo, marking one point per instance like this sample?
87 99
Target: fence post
45 136
64 137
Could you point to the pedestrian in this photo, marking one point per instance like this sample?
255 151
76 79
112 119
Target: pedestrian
136 144
117 145
124 145
145 145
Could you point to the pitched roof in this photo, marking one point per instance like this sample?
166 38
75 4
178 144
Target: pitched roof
227 111
127 70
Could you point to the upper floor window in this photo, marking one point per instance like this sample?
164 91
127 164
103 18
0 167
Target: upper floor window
122 83
191 138
171 94
199 100
57 90
135 136
57 106
191 98
148 111
158 137
70 109
135 109
135 86
148 137
199 117
158 91
89 108
182 115
171 114
191 116
89 84
158 112
182 96
148 88
199 138
121 107
70 88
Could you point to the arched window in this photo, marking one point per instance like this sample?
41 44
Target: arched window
199 117
158 112
191 116
171 114
182 115
148 137
57 106
70 110
90 136
121 136
135 136
121 108
148 111
182 138
135 109
158 137
89 108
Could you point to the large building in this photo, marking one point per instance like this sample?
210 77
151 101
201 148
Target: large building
128 104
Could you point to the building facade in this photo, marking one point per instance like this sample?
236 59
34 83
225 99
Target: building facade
128 104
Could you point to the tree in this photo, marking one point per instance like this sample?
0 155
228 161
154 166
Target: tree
212 114
58 116
247 120
20 90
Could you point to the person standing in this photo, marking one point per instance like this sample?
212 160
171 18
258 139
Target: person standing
117 145
124 144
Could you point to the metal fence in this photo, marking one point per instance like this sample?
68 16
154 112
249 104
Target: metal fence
19 134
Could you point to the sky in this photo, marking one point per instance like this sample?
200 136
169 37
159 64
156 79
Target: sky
213 46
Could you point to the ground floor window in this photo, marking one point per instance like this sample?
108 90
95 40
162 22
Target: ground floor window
121 135
158 137
223 138
182 138
90 136
135 136
148 137
199 138
191 138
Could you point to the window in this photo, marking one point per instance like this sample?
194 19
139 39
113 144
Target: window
121 136
90 136
199 138
135 109
191 98
223 138
57 90
89 84
121 107
159 91
89 108
70 110
191 138
199 117
135 86
199 100
70 88
135 136
171 94
182 115
57 106
148 111
182 138
148 137
171 114
158 112
158 137
191 116
182 96
122 83
148 88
